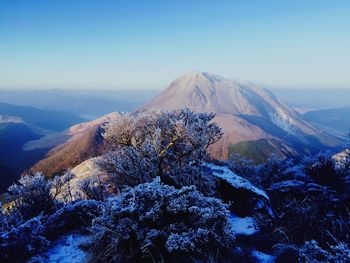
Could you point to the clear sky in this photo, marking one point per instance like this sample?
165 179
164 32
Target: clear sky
146 44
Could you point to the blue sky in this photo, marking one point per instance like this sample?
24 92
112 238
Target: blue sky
146 44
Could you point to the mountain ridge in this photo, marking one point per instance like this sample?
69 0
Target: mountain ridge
75 145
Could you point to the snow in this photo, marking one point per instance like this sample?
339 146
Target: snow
262 257
283 121
236 181
243 226
65 250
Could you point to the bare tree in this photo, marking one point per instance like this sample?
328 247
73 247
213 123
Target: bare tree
170 145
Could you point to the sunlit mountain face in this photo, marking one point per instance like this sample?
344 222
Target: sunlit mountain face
251 117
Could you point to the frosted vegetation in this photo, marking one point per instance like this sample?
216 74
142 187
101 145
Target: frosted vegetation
164 200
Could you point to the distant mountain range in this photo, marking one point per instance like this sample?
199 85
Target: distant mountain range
335 120
254 121
19 125
89 104
43 119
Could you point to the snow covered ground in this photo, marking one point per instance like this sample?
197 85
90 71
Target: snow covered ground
262 257
65 250
243 225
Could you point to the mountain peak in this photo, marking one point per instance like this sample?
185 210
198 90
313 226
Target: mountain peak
245 112
194 75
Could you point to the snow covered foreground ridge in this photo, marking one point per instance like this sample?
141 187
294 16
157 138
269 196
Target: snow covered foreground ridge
144 200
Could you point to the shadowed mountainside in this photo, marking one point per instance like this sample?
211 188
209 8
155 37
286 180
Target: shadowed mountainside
337 119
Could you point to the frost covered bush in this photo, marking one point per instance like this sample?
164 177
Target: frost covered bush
18 243
31 196
128 168
154 223
3 219
324 169
245 168
340 252
276 170
263 175
169 145
311 252
92 188
295 220
28 238
303 193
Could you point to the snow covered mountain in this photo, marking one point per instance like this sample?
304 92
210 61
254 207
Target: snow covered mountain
252 118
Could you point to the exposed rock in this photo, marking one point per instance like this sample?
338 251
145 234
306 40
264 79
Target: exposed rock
246 199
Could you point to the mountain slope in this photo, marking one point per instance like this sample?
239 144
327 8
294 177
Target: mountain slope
71 147
246 113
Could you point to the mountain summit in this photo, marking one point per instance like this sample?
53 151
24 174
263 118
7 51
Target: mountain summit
252 118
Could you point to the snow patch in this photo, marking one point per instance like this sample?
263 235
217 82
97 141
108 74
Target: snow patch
236 181
243 226
262 257
282 120
65 250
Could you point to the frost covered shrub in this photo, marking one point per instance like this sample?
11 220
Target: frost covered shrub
3 219
303 193
27 238
324 169
311 252
300 206
128 168
263 175
340 252
296 221
9 219
245 168
31 196
18 243
169 145
92 188
276 169
154 222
